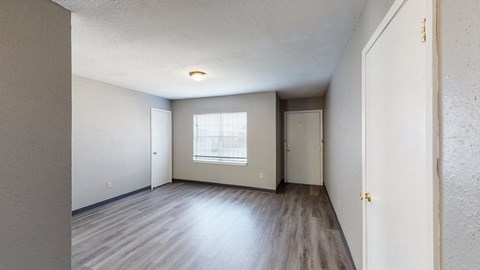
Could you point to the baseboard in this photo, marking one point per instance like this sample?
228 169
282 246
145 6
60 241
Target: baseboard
95 205
223 185
280 186
341 230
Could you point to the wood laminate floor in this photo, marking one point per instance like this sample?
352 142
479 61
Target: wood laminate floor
193 226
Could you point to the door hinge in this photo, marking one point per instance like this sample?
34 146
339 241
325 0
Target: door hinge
366 196
424 30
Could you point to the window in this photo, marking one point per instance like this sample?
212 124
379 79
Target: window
220 138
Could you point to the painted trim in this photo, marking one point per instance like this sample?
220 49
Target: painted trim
285 159
434 131
151 143
95 205
229 163
223 185
344 240
432 127
305 111
160 110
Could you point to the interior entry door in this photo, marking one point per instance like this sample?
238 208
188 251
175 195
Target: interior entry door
398 153
161 147
303 147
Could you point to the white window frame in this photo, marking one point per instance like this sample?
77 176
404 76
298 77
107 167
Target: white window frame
218 162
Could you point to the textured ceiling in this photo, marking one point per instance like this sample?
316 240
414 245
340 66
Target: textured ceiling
245 46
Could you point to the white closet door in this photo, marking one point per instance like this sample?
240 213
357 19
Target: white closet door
161 147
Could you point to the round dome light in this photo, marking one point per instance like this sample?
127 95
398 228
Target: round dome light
198 75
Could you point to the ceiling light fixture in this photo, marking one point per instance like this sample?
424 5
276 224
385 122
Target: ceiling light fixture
198 75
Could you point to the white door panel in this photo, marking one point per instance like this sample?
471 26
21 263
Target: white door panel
303 147
161 147
397 231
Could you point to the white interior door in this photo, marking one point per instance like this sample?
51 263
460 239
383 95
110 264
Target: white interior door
398 139
161 147
303 147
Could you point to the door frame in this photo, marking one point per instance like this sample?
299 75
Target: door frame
151 143
432 127
285 159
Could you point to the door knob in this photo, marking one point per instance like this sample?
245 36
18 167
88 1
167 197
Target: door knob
366 196
154 153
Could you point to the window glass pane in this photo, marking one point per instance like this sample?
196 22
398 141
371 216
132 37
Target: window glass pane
221 137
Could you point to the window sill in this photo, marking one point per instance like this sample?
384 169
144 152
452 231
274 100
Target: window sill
229 163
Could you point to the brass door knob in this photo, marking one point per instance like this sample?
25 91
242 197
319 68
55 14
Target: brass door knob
366 196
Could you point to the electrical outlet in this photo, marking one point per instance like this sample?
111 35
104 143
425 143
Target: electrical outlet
261 176
109 184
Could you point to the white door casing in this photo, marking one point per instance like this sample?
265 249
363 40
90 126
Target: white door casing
161 147
303 147
400 142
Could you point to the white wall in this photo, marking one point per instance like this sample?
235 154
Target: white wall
111 140
261 140
459 41
343 129
35 132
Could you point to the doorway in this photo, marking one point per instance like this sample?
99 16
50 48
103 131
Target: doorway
161 147
400 196
303 147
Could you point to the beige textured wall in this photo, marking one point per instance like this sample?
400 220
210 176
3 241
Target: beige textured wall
261 141
35 135
459 50
110 140
343 129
